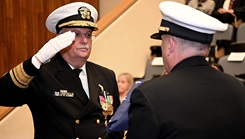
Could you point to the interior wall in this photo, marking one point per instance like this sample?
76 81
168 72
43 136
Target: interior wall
125 45
17 125
106 6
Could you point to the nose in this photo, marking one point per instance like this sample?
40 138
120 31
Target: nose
83 39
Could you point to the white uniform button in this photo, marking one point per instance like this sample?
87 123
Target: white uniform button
77 137
99 138
77 121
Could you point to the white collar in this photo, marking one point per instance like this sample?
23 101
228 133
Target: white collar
83 68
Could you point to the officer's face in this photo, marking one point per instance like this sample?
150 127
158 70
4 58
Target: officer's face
82 45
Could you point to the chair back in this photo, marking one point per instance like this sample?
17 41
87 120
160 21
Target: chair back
152 71
232 67
223 35
240 36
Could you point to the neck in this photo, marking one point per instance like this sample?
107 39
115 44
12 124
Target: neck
184 54
74 62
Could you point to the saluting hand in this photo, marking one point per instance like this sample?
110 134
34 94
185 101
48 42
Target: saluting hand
54 45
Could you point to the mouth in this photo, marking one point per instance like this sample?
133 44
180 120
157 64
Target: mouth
83 48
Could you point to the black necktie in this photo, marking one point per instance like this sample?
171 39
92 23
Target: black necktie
83 93
77 71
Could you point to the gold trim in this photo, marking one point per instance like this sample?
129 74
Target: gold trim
78 23
19 76
165 29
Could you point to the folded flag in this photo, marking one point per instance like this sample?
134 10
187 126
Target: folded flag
119 121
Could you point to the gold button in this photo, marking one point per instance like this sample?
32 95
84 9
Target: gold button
77 121
99 138
98 121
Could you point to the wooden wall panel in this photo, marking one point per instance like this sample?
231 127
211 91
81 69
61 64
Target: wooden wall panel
23 30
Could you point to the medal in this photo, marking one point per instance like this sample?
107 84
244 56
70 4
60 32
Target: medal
106 102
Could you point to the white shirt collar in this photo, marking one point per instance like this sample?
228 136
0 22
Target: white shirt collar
83 68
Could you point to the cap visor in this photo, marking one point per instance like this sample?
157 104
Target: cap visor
156 36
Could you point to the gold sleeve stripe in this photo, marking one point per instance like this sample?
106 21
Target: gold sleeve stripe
19 76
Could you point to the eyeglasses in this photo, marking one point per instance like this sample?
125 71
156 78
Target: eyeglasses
86 35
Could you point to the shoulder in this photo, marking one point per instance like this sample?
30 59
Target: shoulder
157 84
95 67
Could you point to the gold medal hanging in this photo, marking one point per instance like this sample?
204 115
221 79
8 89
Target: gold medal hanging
106 103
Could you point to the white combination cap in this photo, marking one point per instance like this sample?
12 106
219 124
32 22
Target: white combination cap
76 14
188 23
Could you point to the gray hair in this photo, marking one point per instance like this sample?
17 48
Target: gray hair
201 49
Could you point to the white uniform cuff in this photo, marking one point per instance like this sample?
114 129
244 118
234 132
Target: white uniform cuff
35 62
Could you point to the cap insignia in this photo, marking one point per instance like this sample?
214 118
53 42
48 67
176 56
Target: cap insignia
84 12
165 29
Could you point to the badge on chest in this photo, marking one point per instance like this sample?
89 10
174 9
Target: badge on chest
63 93
106 102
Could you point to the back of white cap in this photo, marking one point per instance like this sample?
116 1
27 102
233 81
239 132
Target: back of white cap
186 22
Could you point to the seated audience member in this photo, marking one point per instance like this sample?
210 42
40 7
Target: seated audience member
217 67
155 52
239 17
206 6
154 67
124 81
222 48
224 9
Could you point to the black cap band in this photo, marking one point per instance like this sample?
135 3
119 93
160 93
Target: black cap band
82 19
182 32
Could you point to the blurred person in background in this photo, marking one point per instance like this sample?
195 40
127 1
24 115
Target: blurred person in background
225 9
124 81
206 6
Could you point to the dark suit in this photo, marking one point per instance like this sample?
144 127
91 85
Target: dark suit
193 101
59 106
227 18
